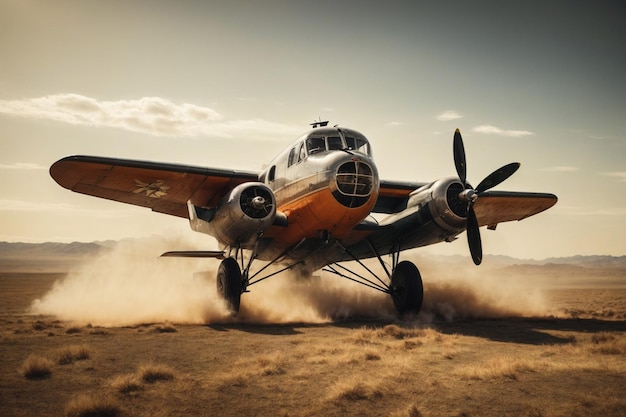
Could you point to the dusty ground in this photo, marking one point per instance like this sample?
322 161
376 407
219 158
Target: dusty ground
574 365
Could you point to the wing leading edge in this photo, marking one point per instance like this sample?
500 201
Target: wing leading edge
162 187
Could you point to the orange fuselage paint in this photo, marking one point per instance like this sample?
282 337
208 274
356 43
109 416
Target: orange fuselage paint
315 213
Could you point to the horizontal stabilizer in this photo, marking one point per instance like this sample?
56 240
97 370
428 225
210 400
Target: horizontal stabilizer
195 254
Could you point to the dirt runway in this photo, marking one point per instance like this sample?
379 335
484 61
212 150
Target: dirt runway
570 365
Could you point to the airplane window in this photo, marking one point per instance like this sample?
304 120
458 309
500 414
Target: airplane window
334 143
362 146
358 144
351 143
301 152
272 173
315 145
292 157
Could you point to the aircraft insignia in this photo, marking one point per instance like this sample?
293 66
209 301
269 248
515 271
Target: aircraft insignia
155 189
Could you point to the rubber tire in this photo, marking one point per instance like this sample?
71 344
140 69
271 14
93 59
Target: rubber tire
407 290
229 284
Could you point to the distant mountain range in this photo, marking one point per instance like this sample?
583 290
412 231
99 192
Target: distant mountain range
11 249
67 252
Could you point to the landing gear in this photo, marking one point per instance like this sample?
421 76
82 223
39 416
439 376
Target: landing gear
229 283
406 288
234 277
403 284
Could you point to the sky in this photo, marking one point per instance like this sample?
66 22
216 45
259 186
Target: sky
230 84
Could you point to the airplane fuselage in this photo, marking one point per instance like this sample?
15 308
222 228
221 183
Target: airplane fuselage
325 184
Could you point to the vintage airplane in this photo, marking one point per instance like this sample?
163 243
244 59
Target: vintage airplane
311 209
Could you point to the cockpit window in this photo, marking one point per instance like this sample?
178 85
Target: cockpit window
334 143
363 146
358 144
329 140
315 145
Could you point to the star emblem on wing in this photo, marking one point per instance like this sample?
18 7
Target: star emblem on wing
155 189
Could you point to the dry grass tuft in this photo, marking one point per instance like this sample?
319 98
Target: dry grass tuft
502 367
87 406
126 384
607 343
412 344
354 390
368 336
602 337
68 354
154 372
36 367
234 380
397 332
73 330
275 364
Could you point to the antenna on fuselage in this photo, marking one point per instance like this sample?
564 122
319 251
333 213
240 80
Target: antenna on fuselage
319 123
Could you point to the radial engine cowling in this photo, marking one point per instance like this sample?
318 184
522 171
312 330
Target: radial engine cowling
244 213
441 198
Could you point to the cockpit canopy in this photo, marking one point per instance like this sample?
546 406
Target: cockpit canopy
329 139
332 139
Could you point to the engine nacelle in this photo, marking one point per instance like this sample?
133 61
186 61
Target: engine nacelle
443 203
243 213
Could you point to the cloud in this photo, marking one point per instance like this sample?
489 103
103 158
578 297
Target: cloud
395 124
448 115
150 115
621 176
493 130
560 169
26 166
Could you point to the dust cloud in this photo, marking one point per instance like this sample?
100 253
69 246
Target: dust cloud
130 285
461 290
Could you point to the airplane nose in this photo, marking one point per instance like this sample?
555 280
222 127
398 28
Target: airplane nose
355 182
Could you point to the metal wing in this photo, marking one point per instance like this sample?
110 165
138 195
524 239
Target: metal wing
495 207
418 227
162 187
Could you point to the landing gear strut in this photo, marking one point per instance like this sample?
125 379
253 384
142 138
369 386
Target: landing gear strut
404 283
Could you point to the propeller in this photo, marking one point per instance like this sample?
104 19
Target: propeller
256 202
470 195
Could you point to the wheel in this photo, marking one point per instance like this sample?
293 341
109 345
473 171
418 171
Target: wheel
229 283
407 291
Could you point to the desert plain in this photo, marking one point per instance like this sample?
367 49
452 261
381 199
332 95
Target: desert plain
531 340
